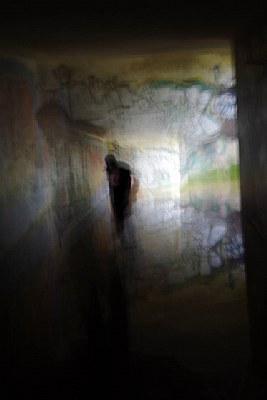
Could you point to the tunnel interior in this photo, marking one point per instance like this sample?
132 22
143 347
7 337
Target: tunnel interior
166 306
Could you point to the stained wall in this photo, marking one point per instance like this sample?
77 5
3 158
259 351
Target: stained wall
172 117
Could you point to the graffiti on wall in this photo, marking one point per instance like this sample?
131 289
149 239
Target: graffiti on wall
185 112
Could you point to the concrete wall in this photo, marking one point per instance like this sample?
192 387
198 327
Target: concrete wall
251 61
57 121
51 184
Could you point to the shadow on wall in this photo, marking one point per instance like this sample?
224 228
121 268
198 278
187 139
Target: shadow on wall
73 166
51 179
54 123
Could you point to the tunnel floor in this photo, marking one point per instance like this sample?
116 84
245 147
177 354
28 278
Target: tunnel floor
138 334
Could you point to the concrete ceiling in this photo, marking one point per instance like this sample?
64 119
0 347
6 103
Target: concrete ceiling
112 24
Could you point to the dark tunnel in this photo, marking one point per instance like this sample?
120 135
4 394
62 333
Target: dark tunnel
140 275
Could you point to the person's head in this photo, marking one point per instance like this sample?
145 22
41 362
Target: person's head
111 162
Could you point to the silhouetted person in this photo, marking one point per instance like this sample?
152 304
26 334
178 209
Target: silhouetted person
119 177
